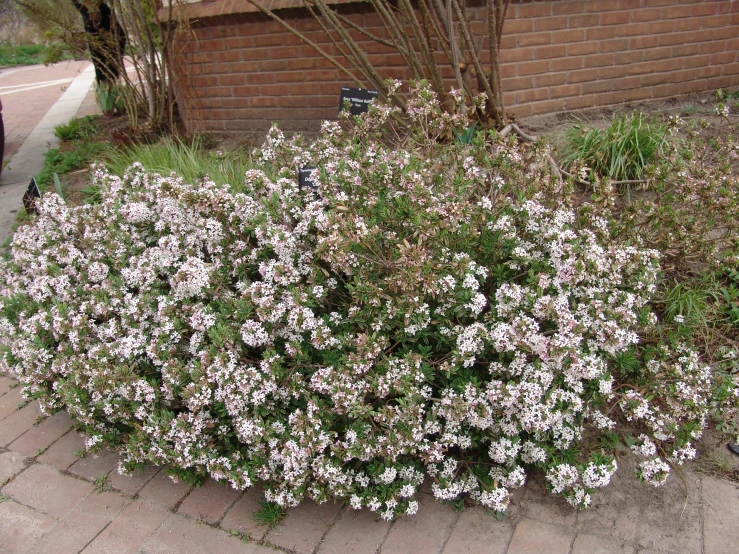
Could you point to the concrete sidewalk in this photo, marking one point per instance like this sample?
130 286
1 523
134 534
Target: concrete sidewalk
52 500
29 159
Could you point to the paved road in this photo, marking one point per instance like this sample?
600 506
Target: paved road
35 100
28 93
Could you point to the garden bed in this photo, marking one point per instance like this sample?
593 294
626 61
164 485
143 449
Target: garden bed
444 310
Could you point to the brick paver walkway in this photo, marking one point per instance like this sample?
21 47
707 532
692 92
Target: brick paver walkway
51 503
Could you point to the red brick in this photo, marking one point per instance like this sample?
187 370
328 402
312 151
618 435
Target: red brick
359 532
600 33
61 454
647 14
615 18
631 30
240 517
534 10
95 465
582 48
613 45
546 80
529 68
19 422
517 55
209 501
583 20
130 529
164 490
550 23
568 7
565 90
11 464
581 76
723 58
579 102
9 402
285 52
179 534
532 95
636 43
20 526
517 26
82 525
628 57
567 64
598 60
658 27
131 484
534 39
548 106
518 83
44 488
41 436
7 384
260 78
304 526
552 51
230 80
569 35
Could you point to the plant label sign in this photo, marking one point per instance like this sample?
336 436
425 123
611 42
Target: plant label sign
304 180
358 98
30 196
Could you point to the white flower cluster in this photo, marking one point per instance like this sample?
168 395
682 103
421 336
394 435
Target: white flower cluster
413 320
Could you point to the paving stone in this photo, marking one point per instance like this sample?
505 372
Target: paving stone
304 526
355 532
11 463
95 465
538 503
18 423
241 516
61 454
45 489
179 534
614 511
478 531
663 525
164 490
9 402
82 525
130 529
720 516
209 501
537 537
7 384
42 435
422 533
131 484
593 544
20 526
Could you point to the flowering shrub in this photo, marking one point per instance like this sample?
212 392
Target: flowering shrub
435 311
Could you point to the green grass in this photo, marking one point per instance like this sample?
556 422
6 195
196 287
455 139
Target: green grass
77 129
30 54
60 162
190 160
697 301
270 513
621 151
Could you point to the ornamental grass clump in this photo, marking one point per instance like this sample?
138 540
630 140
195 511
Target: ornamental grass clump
435 311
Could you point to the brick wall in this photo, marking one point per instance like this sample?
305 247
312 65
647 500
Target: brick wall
247 71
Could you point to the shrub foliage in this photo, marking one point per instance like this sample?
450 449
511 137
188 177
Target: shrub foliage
435 310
